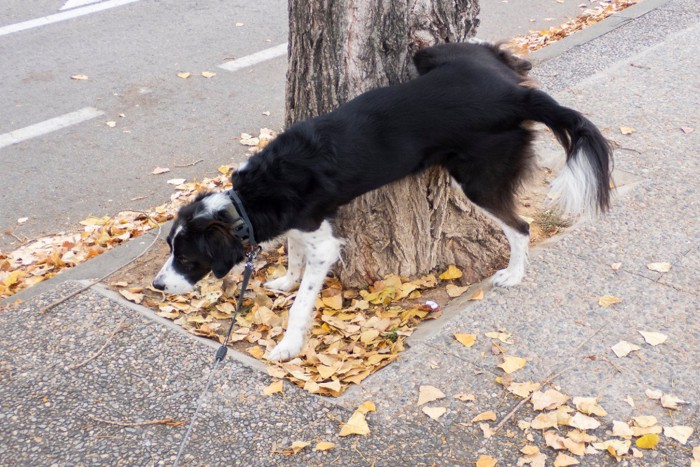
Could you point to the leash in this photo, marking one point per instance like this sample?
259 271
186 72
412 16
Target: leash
223 350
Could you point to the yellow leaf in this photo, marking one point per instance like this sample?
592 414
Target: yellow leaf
486 461
607 300
274 387
544 421
530 450
184 75
335 301
367 406
648 441
489 415
454 291
678 432
564 460
132 297
589 406
79 77
299 445
583 422
548 400
452 272
645 421
324 446
256 351
523 389
626 130
357 425
511 364
621 430
208 74
466 339
429 394
333 386
501 336
477 295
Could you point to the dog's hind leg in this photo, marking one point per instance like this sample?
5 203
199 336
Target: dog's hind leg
295 263
322 250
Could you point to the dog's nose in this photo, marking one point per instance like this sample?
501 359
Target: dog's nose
158 284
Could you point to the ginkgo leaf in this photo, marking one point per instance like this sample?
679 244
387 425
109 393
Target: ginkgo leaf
434 412
659 267
583 422
627 130
274 387
486 430
670 401
564 460
653 338
184 75
607 300
648 441
548 400
621 430
486 461
367 406
544 420
357 425
465 397
653 394
299 445
477 295
511 364
615 447
489 415
589 406
208 74
553 440
530 450
79 77
429 394
501 336
176 181
324 446
645 421
624 348
452 272
160 170
523 389
679 433
466 339
131 296
454 291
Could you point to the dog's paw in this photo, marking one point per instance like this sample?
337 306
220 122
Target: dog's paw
285 283
289 347
507 278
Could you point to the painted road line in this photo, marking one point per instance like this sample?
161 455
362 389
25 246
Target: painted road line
48 126
253 59
55 18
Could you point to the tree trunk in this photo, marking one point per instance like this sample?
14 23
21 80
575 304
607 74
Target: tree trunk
341 48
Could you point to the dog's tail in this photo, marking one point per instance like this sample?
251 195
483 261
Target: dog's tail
583 187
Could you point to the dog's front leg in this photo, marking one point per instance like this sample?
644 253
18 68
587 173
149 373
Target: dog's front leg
295 260
322 251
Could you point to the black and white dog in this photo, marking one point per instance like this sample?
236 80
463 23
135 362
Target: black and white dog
468 110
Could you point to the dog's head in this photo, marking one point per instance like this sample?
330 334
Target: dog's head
201 240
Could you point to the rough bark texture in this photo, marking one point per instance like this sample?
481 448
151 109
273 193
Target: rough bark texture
341 48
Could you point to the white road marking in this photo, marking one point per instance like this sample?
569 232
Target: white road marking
253 59
55 18
48 126
76 3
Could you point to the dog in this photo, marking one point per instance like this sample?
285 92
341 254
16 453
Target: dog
468 110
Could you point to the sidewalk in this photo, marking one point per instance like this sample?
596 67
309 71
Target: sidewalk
60 406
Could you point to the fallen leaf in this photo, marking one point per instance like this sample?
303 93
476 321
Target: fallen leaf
621 430
659 267
434 412
486 430
648 441
511 364
466 339
679 433
653 394
529 450
615 266
477 295
653 338
670 401
465 397
274 387
606 300
548 400
176 181
208 74
324 446
486 461
583 422
452 272
553 440
687 130
357 425
299 445
523 389
454 291
22 220
645 421
488 416
160 170
184 75
429 394
626 130
367 406
131 296
544 420
501 336
589 406
111 123
532 456
564 460
614 447
79 77
630 401
623 348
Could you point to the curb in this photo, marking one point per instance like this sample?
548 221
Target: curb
594 31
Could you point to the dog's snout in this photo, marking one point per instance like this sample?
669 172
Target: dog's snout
158 284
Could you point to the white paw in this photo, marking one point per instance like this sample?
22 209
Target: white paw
507 277
285 283
289 347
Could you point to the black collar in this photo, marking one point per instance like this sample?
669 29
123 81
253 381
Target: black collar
242 227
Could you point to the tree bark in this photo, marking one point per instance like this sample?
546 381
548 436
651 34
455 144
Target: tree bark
341 48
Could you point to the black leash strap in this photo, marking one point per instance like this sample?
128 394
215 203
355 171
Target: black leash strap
221 353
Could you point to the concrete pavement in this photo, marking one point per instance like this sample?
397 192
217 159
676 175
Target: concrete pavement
61 406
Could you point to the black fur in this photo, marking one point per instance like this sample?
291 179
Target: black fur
467 110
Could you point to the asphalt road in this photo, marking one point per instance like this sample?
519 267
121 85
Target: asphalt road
131 52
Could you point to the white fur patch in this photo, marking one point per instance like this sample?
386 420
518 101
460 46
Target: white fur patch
214 203
517 264
574 190
173 282
321 250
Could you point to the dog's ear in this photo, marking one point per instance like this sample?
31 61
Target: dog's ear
225 250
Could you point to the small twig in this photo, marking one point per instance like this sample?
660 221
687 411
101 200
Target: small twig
549 379
190 164
165 421
12 234
120 327
83 289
